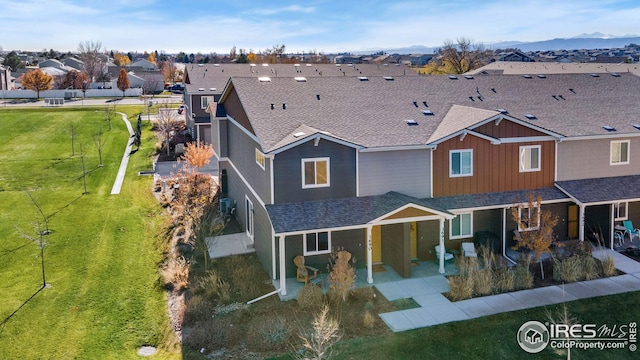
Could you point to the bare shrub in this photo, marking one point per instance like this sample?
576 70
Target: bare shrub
505 279
483 283
311 297
269 333
176 273
590 267
524 277
212 333
566 270
608 266
488 256
342 274
319 341
213 288
198 308
368 318
460 287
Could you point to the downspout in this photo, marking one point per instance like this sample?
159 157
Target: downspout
369 255
442 251
283 275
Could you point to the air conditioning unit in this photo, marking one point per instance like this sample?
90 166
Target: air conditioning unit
225 206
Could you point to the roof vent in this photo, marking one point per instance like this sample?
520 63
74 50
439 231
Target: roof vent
425 104
252 65
595 75
468 77
411 122
494 90
308 65
526 76
200 65
200 89
212 89
318 96
415 103
542 76
615 74
530 116
388 78
637 126
502 111
284 106
609 128
427 112
453 77
273 106
300 79
298 134
572 90
216 65
296 65
363 78
265 64
264 79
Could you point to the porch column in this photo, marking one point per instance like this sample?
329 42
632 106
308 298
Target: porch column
369 255
504 232
581 223
273 256
283 273
442 251
612 223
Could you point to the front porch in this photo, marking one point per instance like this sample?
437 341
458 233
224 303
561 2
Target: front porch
391 284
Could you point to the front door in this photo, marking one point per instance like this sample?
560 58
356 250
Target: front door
376 246
249 217
572 222
413 237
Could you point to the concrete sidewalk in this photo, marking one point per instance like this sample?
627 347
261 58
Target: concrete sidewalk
435 308
122 170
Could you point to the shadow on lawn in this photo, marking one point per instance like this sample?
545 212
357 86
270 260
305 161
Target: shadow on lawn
20 307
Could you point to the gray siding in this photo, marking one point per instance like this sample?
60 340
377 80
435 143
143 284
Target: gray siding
215 132
586 159
288 172
242 154
224 137
262 226
406 171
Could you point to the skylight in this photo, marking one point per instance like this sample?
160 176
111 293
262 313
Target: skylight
411 122
609 128
308 65
527 76
212 89
388 78
252 65
298 134
502 111
595 75
615 74
265 64
300 79
200 89
542 76
363 78
296 65
468 77
637 126
530 116
427 112
453 77
264 79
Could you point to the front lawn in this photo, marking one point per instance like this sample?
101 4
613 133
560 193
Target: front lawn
103 299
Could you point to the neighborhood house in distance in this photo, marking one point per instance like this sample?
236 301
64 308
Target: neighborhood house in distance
387 165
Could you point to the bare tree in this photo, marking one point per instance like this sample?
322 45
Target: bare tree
72 129
89 51
108 111
166 124
84 169
460 57
39 238
99 140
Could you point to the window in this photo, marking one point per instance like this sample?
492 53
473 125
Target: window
205 100
461 163
620 211
461 226
619 152
317 243
529 218
260 158
315 172
529 158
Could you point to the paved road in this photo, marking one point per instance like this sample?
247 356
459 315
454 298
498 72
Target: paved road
173 99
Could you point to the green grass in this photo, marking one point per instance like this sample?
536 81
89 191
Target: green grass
104 299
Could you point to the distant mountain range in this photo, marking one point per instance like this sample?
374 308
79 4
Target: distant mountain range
595 40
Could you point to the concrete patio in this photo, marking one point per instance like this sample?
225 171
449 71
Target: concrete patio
231 244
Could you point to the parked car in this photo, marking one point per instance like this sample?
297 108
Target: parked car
177 88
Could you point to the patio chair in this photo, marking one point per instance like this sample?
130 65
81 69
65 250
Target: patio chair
628 226
447 256
468 249
303 272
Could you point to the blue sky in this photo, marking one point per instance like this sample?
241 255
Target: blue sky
305 25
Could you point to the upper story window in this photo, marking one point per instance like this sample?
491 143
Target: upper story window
620 211
260 158
315 172
205 101
461 226
317 243
529 158
619 152
529 218
461 163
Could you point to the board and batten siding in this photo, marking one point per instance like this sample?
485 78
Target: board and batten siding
404 171
574 165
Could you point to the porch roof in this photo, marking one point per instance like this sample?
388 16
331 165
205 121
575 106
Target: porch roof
602 190
340 213
496 199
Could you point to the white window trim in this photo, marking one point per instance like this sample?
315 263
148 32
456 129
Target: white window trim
451 152
260 153
314 160
616 209
305 252
452 237
522 154
520 227
611 162
209 100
